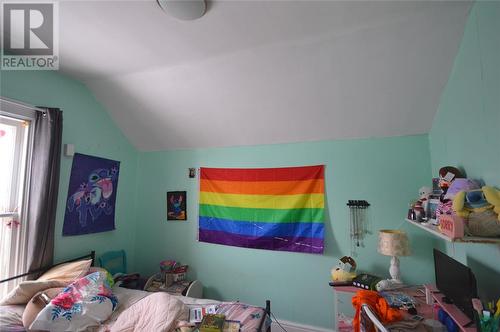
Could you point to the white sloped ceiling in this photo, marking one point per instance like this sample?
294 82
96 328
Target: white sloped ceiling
263 72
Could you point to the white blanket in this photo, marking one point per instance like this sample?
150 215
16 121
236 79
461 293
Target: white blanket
157 312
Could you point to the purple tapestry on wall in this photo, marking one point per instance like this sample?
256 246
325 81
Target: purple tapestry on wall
90 207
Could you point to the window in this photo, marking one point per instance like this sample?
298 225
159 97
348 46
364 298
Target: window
15 146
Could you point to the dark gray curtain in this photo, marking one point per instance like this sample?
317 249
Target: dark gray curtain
44 186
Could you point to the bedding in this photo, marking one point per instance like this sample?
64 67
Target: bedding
67 272
11 318
86 302
37 303
126 298
157 312
58 276
23 292
249 316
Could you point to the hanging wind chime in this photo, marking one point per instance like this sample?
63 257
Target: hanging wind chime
357 223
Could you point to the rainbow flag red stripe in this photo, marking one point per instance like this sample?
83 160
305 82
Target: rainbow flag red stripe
264 208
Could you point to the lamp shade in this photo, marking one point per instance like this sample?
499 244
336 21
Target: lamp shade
393 243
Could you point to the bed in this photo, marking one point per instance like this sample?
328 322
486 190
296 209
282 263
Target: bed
251 318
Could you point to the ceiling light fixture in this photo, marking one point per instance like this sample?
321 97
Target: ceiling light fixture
184 9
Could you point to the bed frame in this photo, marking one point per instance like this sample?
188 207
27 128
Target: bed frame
91 255
46 268
268 314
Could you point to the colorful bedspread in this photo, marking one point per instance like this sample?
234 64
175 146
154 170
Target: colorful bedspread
250 317
86 302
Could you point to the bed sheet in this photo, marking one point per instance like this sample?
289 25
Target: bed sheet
11 318
126 298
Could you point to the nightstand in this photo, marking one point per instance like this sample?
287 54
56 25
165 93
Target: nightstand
180 288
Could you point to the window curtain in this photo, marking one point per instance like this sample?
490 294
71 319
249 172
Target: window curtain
43 188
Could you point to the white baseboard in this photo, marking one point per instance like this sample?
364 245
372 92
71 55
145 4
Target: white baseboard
296 327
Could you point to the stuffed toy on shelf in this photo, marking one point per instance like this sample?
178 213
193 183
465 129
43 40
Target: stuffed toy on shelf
480 208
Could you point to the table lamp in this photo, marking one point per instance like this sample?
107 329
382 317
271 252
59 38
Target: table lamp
393 243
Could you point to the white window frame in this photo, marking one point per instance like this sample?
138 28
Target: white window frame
10 109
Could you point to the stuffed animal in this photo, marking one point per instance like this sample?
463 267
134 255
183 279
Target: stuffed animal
424 193
420 207
492 195
447 175
469 201
345 269
480 208
459 185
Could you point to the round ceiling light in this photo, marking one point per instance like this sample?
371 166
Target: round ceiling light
184 9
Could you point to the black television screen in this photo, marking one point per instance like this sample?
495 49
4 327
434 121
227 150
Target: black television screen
456 281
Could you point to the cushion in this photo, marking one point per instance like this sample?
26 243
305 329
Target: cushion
109 277
36 304
86 302
27 289
67 272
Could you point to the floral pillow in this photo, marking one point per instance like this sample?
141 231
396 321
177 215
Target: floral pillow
84 303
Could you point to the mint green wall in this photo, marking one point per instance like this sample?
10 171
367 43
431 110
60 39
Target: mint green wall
386 172
466 130
89 127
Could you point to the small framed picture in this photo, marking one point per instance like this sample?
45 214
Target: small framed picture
431 210
176 205
436 189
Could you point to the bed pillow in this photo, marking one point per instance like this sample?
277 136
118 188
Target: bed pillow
23 292
36 304
67 272
86 302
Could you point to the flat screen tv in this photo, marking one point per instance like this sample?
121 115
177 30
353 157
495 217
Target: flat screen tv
456 281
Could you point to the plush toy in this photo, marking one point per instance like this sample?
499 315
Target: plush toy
459 185
422 203
456 193
466 202
447 175
492 195
424 193
480 208
345 269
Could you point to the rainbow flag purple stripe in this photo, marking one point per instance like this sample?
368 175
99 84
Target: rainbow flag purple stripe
264 208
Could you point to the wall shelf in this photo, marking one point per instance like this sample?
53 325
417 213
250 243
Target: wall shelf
466 239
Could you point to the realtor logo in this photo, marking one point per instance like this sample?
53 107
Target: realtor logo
30 36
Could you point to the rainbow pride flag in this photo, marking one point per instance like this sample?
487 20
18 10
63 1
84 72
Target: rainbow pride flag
264 208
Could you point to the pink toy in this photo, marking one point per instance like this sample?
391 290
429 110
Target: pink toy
452 226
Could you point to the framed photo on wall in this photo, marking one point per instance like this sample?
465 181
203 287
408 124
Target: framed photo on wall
176 205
